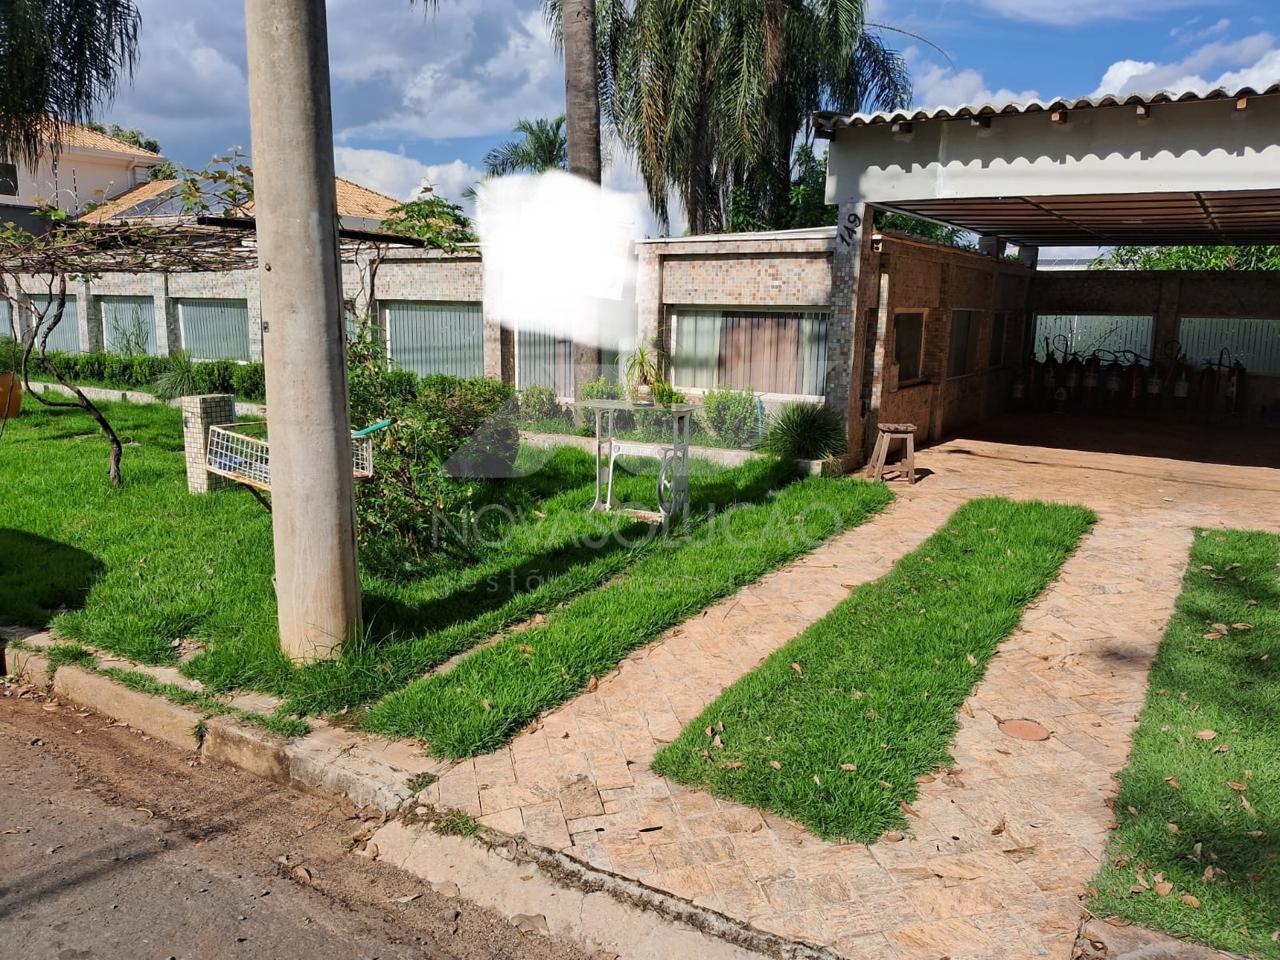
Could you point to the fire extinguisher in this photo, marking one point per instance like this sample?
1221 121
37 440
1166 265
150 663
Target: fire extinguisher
1181 384
1135 378
1207 388
1234 389
1154 387
1049 376
1072 377
1091 379
1112 383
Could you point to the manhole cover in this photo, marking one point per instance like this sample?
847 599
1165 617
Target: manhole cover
1023 730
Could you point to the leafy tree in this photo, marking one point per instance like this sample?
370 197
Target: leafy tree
1190 258
433 219
61 61
713 97
168 170
924 229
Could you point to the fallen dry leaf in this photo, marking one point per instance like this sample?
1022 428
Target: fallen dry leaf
893 836
848 767
1214 635
593 685
1164 888
1173 827
1206 734
1173 782
1242 626
302 875
999 828
1190 900
906 808
1220 627
1237 786
775 764
885 784
732 765
973 661
1222 748
797 668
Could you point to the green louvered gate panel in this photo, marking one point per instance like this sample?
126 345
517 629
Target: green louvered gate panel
215 329
435 337
128 324
544 360
65 337
1255 342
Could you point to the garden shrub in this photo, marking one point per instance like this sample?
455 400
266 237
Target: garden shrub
601 388
732 417
539 403
805 431
449 433
655 424
214 376
249 381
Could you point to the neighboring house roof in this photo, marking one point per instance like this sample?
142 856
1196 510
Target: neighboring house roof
827 122
160 198
77 136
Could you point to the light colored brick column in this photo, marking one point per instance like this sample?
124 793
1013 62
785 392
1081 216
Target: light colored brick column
88 317
649 299
199 413
846 357
168 337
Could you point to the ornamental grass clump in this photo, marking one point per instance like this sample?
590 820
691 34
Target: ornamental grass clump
805 431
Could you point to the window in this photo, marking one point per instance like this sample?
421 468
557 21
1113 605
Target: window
962 353
1255 342
908 345
544 360
1087 333
765 351
214 329
995 353
8 179
65 337
128 324
435 337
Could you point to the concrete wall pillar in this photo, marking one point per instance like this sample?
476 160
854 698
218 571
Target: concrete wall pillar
846 357
649 313
1168 308
992 247
257 328
199 413
88 316
168 337
1029 257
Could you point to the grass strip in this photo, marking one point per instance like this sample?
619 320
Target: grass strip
833 728
1196 850
484 700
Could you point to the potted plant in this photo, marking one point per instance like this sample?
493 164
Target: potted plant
10 380
642 374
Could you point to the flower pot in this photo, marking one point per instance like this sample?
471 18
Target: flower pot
10 396
642 393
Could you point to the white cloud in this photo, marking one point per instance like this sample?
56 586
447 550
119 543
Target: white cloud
394 174
475 84
1250 61
938 86
1073 13
449 180
1191 31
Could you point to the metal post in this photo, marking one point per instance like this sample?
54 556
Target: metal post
308 421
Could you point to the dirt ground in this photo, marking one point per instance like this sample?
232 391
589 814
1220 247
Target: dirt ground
112 846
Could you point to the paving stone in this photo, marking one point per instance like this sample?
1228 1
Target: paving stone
1077 664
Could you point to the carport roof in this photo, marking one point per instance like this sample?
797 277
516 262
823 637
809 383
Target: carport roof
1145 169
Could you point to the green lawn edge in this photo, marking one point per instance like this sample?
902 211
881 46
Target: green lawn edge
1179 828
833 728
488 697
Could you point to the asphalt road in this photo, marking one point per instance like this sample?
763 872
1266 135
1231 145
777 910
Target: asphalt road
115 848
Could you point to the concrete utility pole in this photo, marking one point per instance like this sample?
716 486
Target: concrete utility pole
308 420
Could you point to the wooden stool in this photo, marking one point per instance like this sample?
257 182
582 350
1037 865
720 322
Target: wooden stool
890 432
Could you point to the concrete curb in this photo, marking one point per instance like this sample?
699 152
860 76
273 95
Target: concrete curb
243 408
520 880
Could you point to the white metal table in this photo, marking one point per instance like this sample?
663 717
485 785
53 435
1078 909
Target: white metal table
673 458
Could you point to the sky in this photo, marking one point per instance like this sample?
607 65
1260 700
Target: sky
421 94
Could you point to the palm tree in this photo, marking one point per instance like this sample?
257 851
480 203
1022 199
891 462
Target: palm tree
581 89
542 146
714 96
61 61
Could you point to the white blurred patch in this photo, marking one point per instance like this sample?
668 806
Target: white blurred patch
559 256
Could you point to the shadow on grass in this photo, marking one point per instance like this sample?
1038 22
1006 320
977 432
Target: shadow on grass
40 577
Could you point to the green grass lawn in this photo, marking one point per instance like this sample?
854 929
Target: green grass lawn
1196 851
139 569
833 728
488 697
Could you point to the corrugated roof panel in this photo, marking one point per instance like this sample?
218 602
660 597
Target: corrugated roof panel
828 122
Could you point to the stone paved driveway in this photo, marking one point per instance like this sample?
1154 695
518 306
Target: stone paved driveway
1005 843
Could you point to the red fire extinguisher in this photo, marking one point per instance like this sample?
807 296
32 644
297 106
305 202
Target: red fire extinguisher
1234 389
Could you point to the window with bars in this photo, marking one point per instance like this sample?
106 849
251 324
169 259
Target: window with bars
908 345
1087 333
65 337
765 351
1254 341
128 324
544 360
214 329
435 336
962 352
